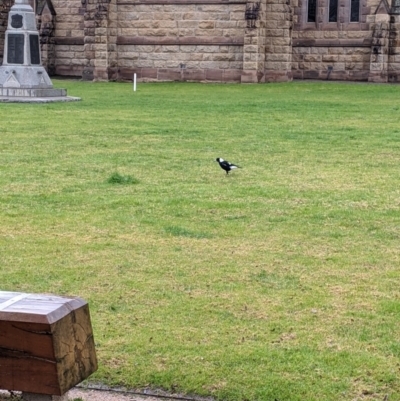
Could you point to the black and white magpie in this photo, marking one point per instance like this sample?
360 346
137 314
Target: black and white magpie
225 165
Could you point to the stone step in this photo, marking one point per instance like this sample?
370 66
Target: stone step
32 92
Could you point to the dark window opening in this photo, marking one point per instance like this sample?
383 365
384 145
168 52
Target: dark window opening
355 11
333 10
312 11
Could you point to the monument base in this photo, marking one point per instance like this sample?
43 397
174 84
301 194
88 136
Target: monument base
29 84
21 99
21 92
21 76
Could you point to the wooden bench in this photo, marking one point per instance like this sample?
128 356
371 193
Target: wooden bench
46 343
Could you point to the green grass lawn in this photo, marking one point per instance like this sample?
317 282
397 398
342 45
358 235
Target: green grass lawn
279 281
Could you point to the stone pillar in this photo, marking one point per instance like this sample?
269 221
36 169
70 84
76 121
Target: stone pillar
380 26
278 46
379 49
46 27
5 6
100 40
254 43
89 39
100 72
95 40
112 31
394 49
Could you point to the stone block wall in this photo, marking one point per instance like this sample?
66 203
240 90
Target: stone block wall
69 37
335 62
217 40
180 62
332 50
189 41
69 58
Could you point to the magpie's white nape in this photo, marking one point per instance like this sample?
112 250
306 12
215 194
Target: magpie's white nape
225 165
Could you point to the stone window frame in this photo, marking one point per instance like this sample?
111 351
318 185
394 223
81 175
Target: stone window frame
303 17
361 24
343 21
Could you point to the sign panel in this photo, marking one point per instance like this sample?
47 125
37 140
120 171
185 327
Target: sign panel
34 48
15 46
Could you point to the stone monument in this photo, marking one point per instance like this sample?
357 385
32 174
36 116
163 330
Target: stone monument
22 76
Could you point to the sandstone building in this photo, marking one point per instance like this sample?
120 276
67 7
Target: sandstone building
218 40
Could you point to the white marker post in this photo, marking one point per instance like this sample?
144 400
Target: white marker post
134 82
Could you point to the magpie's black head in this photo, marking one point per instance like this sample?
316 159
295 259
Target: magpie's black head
219 160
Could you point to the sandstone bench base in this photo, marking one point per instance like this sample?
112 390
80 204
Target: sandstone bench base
44 397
